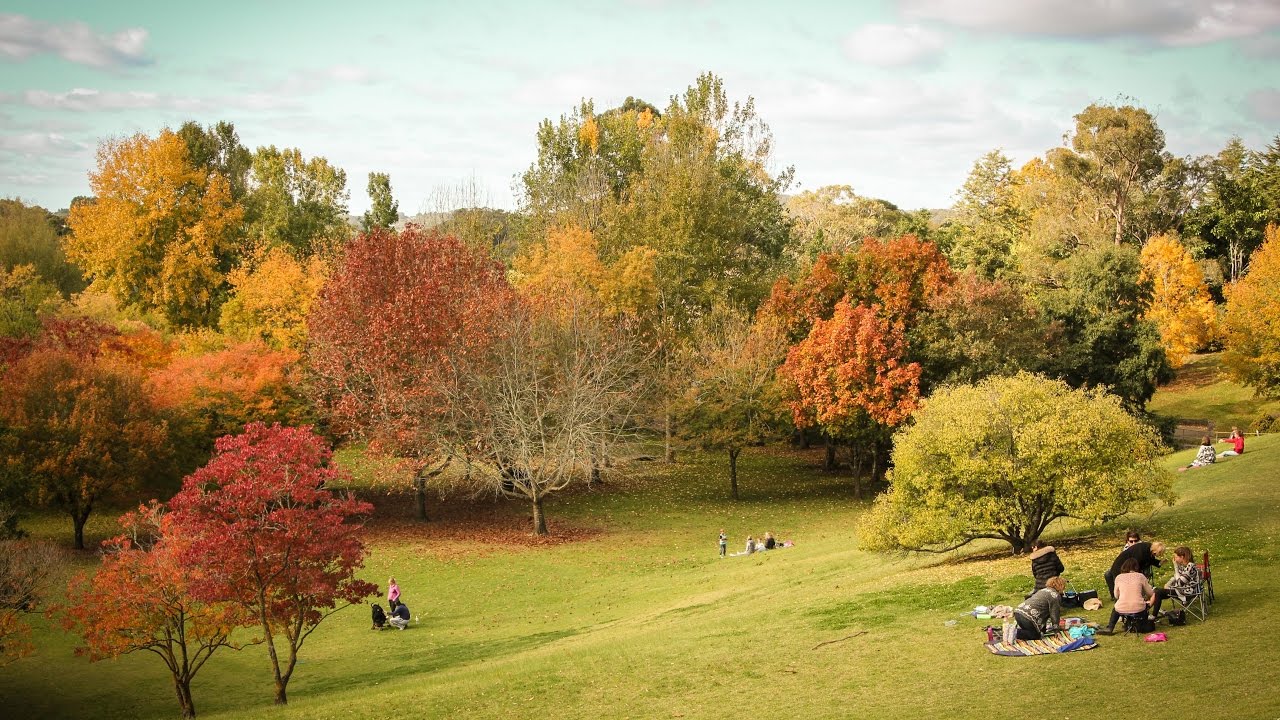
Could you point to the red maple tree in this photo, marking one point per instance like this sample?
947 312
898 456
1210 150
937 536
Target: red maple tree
400 313
270 537
141 600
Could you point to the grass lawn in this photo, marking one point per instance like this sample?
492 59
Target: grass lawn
632 614
1202 391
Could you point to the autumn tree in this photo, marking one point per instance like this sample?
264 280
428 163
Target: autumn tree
1006 458
383 211
384 329
1253 303
732 399
208 392
25 565
1180 305
296 202
84 429
141 599
160 232
216 149
24 297
835 219
269 535
556 390
271 296
849 376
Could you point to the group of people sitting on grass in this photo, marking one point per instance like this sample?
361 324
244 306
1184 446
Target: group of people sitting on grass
1208 456
768 542
1128 580
399 617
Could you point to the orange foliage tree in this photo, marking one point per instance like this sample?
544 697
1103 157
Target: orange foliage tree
79 423
1180 305
160 232
141 599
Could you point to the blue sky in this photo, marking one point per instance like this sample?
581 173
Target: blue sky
896 98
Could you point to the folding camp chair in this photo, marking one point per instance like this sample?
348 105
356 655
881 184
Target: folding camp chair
1206 577
1197 603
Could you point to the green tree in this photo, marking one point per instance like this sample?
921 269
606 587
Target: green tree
988 220
217 149
1007 457
732 400
24 297
295 202
31 235
384 211
835 219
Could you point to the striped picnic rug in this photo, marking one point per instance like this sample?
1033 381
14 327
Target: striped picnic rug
1050 645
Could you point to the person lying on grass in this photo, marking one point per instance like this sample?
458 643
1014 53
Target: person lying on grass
1045 563
1184 584
1206 456
1237 443
1132 592
1039 613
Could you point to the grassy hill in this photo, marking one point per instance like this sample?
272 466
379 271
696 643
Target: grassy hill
631 614
1202 391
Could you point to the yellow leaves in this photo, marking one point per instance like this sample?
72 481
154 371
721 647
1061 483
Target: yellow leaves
589 135
1180 304
568 267
1253 319
158 228
644 119
272 297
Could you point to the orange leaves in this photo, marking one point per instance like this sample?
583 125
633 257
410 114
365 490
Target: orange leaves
568 269
1253 319
1180 304
271 298
848 366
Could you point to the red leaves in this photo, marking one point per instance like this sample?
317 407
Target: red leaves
396 311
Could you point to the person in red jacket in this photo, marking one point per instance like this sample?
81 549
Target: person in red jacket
1237 443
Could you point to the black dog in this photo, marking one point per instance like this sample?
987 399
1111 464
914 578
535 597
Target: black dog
379 617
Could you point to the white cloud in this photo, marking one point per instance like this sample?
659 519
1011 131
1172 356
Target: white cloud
22 37
1167 22
893 45
40 144
88 100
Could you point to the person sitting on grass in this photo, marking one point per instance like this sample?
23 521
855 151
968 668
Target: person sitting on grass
1045 563
1237 443
1039 613
1206 456
1132 592
751 545
1184 584
399 615
769 542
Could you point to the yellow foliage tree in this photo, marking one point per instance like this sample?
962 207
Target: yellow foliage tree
160 232
271 297
1253 319
569 266
1180 304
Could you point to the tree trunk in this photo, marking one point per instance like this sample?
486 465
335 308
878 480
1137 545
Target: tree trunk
829 461
855 464
733 471
539 519
595 471
420 493
79 521
183 687
803 440
669 452
280 682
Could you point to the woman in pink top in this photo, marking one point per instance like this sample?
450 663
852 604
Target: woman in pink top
393 592
1133 594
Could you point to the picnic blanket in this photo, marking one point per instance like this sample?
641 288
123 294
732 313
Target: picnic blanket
1048 645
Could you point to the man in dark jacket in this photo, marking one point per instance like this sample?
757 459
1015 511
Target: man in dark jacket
1146 553
1044 563
399 615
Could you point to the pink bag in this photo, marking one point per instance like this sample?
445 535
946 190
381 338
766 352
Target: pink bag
1156 637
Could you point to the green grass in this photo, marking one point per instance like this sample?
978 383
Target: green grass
639 618
1202 391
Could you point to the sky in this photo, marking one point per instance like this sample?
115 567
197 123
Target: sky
896 98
